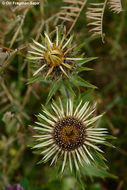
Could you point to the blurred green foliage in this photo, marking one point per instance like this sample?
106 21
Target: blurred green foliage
19 102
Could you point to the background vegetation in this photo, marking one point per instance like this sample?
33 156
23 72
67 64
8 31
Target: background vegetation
19 102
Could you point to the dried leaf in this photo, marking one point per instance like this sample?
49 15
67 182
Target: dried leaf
115 6
96 13
71 12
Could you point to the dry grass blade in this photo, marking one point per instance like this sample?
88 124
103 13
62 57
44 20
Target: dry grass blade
6 96
96 13
40 26
19 28
7 23
71 12
6 63
115 6
4 102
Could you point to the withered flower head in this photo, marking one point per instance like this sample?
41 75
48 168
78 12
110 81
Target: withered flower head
54 57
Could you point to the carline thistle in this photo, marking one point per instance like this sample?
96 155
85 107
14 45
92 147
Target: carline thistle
54 58
69 134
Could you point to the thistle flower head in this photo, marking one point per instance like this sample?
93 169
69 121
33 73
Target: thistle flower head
69 134
54 57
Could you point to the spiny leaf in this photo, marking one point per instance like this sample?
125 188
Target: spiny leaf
93 171
85 60
86 96
53 90
77 175
34 79
99 159
80 69
67 85
78 81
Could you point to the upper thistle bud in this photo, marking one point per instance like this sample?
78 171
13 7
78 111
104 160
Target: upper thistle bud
55 58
